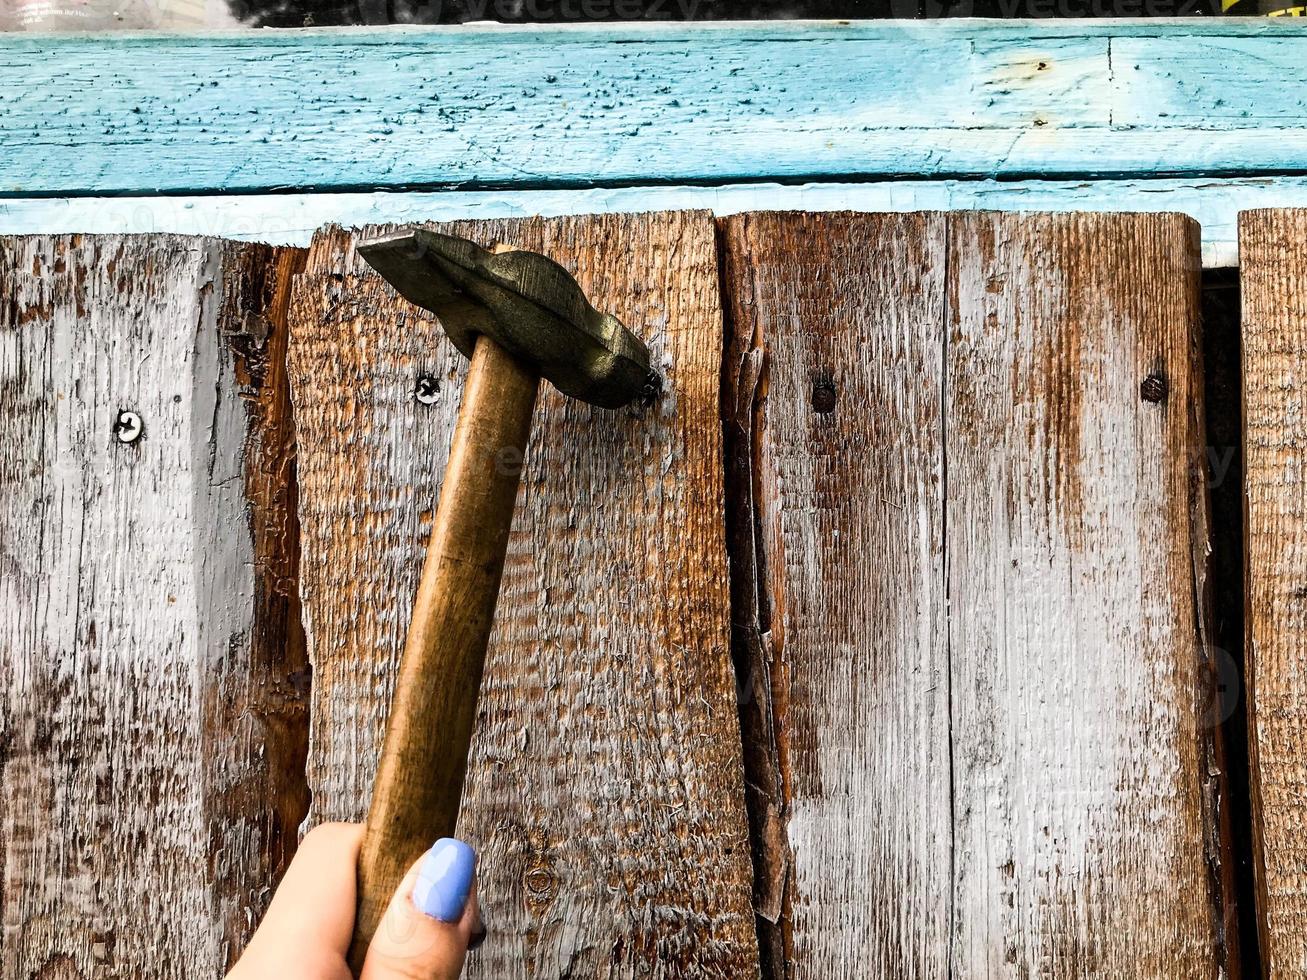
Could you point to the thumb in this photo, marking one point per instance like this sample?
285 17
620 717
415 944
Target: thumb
431 920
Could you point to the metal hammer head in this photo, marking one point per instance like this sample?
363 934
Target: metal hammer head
527 303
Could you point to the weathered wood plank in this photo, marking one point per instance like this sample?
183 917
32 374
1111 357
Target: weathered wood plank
1273 246
1214 203
1190 85
848 664
1076 549
605 791
152 717
531 106
980 554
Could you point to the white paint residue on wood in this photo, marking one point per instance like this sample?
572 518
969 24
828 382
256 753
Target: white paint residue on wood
104 838
1079 766
851 499
130 574
983 561
1273 246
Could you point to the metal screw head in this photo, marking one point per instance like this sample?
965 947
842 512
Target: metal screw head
128 427
428 387
509 461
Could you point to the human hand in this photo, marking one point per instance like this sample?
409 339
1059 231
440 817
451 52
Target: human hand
428 928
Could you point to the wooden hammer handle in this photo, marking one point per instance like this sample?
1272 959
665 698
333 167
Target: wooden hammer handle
419 780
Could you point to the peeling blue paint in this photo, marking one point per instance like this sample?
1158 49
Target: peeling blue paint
587 106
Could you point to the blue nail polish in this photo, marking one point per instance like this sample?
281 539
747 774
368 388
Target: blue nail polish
445 880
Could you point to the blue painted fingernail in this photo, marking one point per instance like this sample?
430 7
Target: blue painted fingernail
445 880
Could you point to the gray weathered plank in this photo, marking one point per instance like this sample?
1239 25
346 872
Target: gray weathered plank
1076 552
151 728
979 556
1273 260
605 792
850 655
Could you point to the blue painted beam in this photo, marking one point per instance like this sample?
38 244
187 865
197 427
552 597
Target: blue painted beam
292 218
554 107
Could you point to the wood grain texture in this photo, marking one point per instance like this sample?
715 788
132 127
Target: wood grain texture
152 709
605 792
528 106
1272 247
1077 540
979 557
418 788
849 506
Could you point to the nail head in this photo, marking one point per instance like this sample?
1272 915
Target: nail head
1153 388
824 397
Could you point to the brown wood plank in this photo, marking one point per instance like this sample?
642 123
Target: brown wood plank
152 714
1077 542
605 791
979 553
848 498
1273 273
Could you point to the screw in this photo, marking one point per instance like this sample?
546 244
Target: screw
128 427
509 461
428 387
1153 388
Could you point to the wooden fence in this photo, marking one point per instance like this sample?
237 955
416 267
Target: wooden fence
880 647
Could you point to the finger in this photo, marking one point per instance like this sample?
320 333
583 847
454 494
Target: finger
476 932
307 928
478 925
429 923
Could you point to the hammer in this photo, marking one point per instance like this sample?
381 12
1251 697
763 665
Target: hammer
517 316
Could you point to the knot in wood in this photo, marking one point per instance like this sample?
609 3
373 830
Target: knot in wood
541 885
